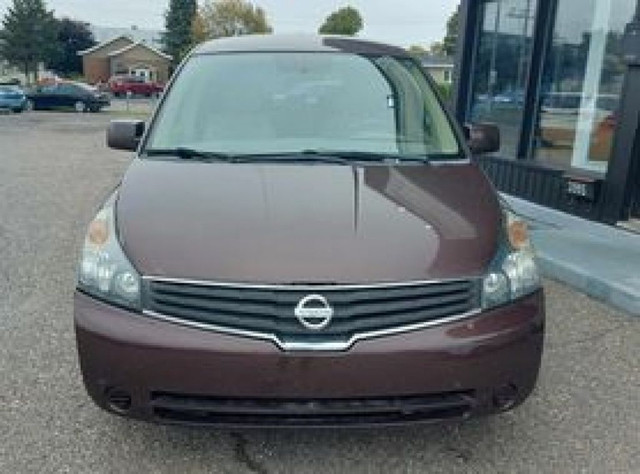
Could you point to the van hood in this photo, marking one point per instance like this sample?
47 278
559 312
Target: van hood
307 223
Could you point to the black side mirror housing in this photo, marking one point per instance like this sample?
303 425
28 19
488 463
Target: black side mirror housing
483 138
125 134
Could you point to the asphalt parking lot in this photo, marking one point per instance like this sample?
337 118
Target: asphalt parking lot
135 106
54 172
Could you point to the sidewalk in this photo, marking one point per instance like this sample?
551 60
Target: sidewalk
599 260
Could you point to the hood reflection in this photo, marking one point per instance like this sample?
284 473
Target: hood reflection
421 196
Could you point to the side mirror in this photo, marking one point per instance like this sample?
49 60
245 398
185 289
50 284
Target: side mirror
483 138
125 134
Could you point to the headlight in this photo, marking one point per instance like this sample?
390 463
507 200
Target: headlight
513 273
105 272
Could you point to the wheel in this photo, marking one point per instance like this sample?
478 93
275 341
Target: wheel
18 110
80 106
30 106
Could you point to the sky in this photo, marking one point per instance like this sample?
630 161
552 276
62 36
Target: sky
401 22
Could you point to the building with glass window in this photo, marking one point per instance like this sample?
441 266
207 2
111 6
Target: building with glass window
561 78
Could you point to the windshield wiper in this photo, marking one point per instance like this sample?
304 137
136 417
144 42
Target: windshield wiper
365 156
346 158
207 156
307 156
185 153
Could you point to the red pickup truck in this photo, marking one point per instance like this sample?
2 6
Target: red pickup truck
121 85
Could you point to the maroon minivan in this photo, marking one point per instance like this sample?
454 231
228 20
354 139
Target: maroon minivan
303 239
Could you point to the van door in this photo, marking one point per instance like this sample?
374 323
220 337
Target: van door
46 96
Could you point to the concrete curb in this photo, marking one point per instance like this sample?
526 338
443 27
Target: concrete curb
616 295
598 260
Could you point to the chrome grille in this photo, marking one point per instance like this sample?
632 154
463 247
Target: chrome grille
268 311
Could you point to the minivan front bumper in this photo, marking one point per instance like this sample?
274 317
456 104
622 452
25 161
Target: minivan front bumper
159 371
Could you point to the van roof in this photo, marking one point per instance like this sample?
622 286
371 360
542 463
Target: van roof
298 43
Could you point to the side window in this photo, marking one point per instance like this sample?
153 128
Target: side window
52 89
438 134
67 89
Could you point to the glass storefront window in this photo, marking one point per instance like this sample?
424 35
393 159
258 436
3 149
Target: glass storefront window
582 83
502 66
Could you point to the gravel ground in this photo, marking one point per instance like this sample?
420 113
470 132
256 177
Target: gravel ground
54 172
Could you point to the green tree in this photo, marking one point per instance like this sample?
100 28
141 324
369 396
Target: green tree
73 36
450 41
223 18
198 29
438 49
28 36
418 50
346 21
178 36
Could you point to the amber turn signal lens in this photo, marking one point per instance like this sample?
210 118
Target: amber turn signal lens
98 232
518 234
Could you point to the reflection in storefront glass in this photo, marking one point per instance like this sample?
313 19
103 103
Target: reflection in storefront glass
582 83
502 66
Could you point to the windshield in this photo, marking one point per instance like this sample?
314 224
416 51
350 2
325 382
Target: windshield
271 103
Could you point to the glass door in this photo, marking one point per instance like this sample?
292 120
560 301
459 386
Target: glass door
502 67
582 83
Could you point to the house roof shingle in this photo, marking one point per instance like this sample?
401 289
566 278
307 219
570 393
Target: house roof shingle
143 45
104 44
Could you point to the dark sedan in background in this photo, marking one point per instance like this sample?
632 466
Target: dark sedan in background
12 98
81 97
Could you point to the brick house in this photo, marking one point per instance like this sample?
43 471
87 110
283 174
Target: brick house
122 55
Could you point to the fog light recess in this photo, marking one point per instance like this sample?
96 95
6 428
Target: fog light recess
505 397
119 400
